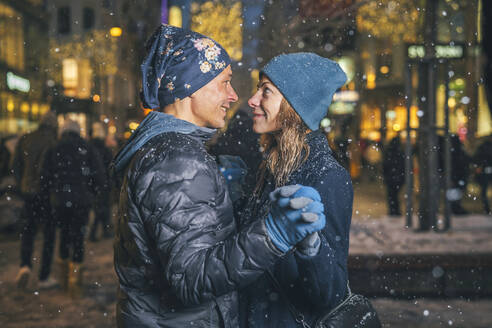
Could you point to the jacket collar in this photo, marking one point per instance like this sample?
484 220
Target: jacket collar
154 124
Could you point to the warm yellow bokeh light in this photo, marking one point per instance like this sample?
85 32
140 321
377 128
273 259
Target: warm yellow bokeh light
115 31
10 105
35 109
222 23
175 16
25 107
133 125
396 20
371 80
44 109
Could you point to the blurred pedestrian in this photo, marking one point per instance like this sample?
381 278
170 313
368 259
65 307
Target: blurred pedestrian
28 157
483 161
5 159
74 174
102 203
394 174
460 162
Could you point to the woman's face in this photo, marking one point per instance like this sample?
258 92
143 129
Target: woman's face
266 106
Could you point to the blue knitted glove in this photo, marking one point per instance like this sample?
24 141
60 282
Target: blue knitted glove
232 174
232 168
287 226
234 171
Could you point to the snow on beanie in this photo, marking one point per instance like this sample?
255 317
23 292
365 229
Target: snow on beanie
307 81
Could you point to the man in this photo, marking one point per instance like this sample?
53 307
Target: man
178 255
27 161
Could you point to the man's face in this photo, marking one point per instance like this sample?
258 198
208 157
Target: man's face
210 103
265 104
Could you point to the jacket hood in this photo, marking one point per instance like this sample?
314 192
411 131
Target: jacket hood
154 124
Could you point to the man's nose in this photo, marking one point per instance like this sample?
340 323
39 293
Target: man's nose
233 95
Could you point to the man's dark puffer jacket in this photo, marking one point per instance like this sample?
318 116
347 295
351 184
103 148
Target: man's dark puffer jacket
177 253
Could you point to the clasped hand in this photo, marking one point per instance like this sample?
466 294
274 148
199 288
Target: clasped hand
296 212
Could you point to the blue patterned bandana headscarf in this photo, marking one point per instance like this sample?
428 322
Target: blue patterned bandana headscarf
178 63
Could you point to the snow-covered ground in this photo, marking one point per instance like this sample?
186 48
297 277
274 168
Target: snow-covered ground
388 235
372 233
52 308
430 313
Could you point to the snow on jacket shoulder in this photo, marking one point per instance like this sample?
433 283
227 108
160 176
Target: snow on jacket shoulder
178 254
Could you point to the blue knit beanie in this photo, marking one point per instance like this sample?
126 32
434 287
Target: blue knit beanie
308 82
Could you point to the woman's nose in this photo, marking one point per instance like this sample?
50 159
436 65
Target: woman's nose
254 101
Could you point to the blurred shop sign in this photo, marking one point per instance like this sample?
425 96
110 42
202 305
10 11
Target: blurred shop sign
344 102
450 51
323 8
346 96
342 108
15 82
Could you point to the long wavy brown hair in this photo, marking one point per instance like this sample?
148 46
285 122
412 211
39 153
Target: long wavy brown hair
285 149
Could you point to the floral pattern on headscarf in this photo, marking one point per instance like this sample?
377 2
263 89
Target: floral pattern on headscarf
178 63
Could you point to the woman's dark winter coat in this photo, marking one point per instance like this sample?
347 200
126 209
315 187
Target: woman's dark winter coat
314 284
178 255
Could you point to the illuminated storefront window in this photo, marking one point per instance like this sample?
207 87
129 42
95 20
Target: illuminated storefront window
484 118
370 123
77 78
11 37
70 76
85 79
18 115
221 22
396 121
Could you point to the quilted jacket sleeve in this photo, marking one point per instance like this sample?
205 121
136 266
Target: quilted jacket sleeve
188 217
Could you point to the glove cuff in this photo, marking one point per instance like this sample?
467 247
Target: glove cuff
275 236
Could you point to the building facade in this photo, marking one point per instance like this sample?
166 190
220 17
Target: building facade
24 69
95 51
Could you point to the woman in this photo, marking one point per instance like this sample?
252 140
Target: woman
293 95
